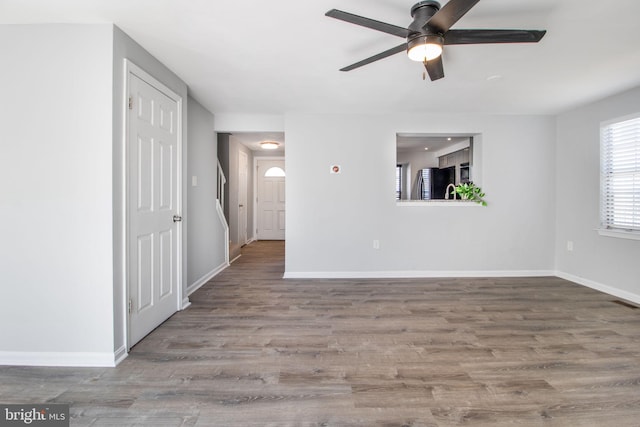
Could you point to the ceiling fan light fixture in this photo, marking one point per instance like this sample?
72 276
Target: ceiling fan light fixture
430 30
269 145
424 48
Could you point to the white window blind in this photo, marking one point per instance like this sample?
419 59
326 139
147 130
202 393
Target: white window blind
620 174
426 184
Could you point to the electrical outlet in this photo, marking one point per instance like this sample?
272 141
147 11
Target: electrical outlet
569 245
376 244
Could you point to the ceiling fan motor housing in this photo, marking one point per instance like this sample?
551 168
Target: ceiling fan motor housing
421 13
419 34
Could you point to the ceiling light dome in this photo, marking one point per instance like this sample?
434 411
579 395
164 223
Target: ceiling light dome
425 48
269 145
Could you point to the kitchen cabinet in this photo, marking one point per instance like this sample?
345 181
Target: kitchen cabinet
447 160
464 156
455 159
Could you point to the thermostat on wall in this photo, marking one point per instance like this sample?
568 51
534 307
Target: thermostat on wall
336 169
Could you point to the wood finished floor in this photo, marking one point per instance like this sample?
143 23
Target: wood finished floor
257 350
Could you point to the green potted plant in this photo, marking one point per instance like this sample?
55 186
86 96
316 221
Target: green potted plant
470 191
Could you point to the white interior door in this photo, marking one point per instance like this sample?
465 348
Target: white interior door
153 201
243 171
271 199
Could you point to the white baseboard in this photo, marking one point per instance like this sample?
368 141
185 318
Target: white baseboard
185 303
60 359
413 274
120 355
204 279
619 293
635 298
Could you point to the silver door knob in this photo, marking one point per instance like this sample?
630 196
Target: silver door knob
177 218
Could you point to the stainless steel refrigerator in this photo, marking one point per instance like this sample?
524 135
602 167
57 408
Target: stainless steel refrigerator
432 182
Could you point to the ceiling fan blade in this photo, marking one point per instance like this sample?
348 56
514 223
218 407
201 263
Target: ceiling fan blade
493 36
435 69
369 23
377 57
449 15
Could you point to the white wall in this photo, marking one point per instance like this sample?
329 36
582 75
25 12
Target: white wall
206 234
605 263
332 220
56 251
237 122
62 261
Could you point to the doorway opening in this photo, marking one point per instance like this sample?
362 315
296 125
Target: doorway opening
254 205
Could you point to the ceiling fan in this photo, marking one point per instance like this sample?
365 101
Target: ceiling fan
430 31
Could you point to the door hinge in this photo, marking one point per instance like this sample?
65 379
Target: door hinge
131 103
130 305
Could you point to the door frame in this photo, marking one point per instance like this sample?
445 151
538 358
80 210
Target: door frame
243 239
132 69
255 187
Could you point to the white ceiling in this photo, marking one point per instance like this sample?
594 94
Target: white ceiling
431 143
280 56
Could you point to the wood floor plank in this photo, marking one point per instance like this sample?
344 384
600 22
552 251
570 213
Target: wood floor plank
258 350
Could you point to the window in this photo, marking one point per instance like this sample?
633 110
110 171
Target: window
620 175
432 162
274 172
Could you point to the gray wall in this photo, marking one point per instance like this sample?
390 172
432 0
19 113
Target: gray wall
206 234
332 220
606 263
